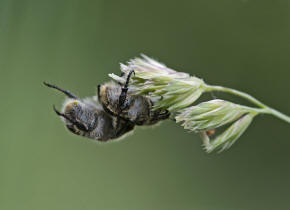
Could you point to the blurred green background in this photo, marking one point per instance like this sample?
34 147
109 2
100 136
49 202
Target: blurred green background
243 44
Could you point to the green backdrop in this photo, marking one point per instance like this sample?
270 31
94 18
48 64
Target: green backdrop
243 44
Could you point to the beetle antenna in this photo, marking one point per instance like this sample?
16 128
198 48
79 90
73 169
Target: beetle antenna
66 92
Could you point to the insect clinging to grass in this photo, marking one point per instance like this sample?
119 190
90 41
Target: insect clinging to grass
112 113
155 93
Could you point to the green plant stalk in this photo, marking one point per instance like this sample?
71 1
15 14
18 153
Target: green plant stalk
263 108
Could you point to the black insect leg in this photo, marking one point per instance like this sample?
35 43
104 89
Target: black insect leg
123 96
74 122
157 116
125 127
66 92
99 94
163 116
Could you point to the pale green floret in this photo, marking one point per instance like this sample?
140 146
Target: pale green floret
177 90
210 115
213 114
230 135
